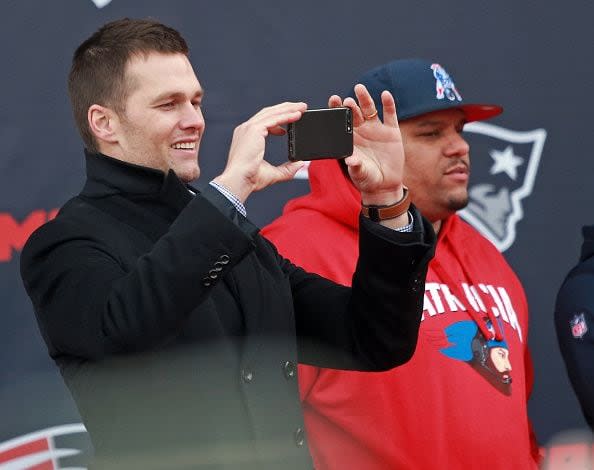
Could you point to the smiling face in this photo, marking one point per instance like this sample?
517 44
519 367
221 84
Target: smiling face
161 124
437 164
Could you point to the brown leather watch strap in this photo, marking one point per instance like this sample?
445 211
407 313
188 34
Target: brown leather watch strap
377 213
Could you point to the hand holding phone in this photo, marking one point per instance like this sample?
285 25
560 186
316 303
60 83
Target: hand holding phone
321 133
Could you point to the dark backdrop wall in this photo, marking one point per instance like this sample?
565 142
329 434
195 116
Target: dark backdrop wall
532 57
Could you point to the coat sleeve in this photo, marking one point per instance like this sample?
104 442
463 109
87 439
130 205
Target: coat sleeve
374 325
89 304
574 322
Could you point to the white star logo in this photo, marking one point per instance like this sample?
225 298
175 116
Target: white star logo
505 161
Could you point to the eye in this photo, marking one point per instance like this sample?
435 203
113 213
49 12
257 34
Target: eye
433 133
197 104
167 105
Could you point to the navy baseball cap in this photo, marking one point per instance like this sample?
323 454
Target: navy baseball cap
419 87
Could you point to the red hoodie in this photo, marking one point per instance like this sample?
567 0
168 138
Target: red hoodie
452 406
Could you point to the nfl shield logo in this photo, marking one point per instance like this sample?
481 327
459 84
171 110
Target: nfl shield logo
578 325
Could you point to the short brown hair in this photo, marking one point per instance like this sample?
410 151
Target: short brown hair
98 73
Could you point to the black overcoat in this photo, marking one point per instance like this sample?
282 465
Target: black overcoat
177 327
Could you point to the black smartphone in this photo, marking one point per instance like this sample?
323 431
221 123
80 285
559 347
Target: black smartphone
321 133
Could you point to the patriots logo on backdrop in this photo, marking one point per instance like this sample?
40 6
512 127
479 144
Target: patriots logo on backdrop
504 166
578 326
57 448
101 3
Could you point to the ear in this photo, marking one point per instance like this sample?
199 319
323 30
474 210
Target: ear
103 123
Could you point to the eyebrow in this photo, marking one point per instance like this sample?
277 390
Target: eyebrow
177 94
437 122
430 122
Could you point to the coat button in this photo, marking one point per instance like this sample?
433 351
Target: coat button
213 274
224 259
299 436
289 370
247 375
206 282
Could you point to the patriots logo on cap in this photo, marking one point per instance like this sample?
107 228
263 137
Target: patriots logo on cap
444 85
578 326
504 168
59 447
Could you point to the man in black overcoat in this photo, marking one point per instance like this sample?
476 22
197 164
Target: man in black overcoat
176 327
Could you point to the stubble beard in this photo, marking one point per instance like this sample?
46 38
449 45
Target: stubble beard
457 203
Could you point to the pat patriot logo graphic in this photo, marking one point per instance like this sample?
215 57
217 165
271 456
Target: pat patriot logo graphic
444 85
504 167
56 448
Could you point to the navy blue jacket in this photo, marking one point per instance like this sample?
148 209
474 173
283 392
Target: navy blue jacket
574 321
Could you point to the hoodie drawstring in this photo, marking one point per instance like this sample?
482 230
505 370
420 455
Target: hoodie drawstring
496 330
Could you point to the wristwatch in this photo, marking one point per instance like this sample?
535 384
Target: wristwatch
378 213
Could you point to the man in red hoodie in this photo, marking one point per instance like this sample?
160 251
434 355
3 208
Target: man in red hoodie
460 403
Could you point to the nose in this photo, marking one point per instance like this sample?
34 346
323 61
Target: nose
192 117
456 146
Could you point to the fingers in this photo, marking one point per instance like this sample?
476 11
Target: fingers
286 107
389 109
334 101
287 170
275 174
277 131
272 122
365 109
272 117
354 163
355 166
357 115
366 103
